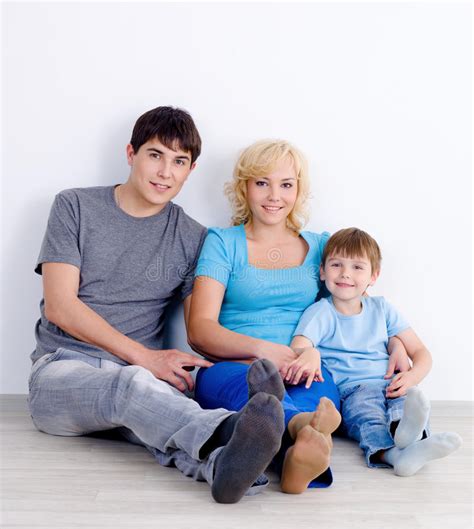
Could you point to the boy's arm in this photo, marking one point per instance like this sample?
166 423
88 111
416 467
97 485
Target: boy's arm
422 362
63 308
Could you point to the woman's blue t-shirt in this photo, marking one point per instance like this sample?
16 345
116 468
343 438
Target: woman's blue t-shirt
262 303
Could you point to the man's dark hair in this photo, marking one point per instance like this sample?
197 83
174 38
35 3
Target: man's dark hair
173 127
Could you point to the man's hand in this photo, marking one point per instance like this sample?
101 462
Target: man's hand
400 384
306 366
172 366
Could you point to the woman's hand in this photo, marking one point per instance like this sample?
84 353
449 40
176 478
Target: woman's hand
398 360
281 355
306 366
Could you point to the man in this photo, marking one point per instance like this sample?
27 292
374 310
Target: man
111 260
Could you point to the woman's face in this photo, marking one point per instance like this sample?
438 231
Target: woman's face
271 198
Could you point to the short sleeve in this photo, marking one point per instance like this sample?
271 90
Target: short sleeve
61 240
214 261
188 279
396 323
315 323
322 243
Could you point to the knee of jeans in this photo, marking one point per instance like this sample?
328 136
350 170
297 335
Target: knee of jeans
48 420
137 379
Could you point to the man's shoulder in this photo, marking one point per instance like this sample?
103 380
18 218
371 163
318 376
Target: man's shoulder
78 194
185 222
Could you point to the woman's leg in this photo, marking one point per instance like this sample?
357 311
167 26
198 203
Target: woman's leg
306 463
302 460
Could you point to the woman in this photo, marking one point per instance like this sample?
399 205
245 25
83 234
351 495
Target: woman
253 282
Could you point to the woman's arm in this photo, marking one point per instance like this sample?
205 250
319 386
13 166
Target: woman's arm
422 363
398 359
207 336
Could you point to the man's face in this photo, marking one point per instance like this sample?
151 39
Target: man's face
158 172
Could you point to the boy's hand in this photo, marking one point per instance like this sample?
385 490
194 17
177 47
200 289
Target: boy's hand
401 383
306 366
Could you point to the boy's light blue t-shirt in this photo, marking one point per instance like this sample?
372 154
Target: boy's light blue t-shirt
262 303
353 348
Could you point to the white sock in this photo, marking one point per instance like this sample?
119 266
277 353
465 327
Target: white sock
409 460
415 417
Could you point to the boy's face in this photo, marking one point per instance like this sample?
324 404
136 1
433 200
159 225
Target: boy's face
347 278
158 172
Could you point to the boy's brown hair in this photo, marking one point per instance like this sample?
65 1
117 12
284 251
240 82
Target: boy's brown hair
352 242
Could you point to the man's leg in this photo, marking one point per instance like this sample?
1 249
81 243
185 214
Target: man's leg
71 397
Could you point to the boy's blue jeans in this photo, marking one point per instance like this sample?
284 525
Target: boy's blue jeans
72 394
368 417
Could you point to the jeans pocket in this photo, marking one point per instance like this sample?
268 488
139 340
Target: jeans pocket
42 362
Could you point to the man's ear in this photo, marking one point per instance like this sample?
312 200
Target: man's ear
193 166
130 154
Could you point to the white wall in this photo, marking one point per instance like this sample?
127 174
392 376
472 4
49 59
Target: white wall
377 95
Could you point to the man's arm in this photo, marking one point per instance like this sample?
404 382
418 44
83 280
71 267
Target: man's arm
67 311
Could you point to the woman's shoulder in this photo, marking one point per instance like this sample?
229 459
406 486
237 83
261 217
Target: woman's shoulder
318 240
227 241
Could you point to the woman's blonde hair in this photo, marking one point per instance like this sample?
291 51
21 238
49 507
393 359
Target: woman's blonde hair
258 160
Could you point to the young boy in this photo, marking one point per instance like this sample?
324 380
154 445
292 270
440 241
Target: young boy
350 332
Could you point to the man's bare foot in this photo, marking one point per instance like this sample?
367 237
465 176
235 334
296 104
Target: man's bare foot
305 460
325 419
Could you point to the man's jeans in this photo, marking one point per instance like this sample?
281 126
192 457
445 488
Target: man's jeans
74 394
368 417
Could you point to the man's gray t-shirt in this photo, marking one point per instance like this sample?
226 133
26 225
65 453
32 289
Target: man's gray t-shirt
130 268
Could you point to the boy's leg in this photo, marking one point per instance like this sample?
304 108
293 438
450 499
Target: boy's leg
410 416
365 419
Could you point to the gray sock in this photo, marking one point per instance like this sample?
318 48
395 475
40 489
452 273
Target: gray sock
263 375
255 441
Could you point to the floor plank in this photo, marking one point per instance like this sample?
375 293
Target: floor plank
85 482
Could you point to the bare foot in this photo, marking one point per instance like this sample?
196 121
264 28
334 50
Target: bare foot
305 460
325 419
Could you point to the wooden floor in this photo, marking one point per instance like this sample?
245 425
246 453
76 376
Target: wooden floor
90 483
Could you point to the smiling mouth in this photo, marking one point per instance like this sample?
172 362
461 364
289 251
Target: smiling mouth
160 187
344 285
272 209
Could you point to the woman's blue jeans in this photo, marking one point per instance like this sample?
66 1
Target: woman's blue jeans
224 385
